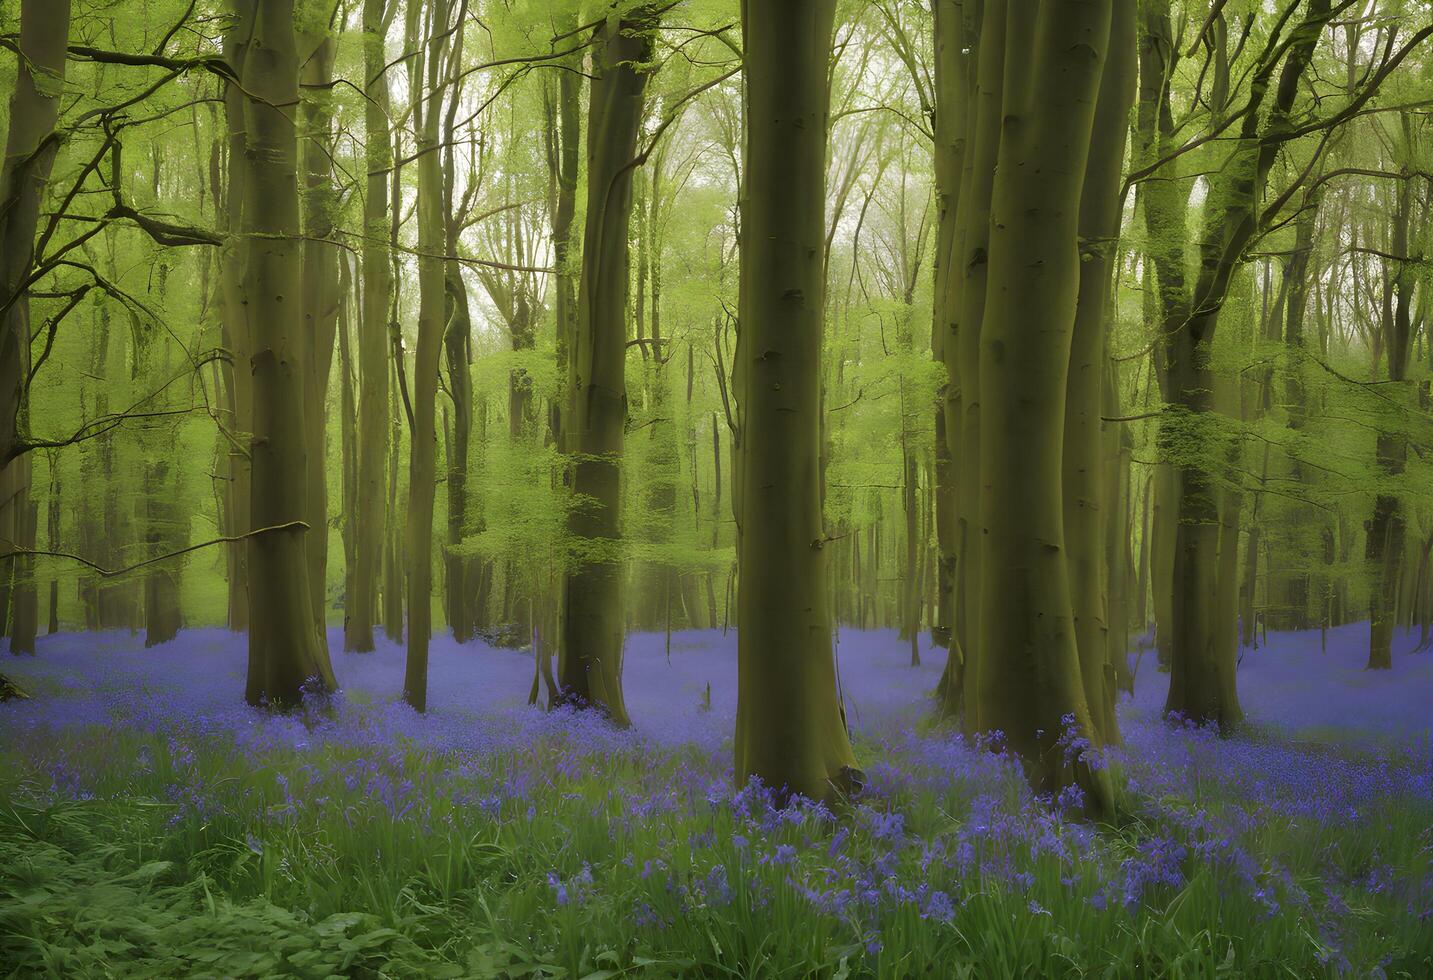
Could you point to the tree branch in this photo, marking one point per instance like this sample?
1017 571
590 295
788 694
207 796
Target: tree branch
103 572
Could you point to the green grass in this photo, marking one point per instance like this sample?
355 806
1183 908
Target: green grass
194 859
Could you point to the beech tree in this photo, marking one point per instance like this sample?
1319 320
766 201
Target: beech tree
361 608
31 144
285 650
790 726
590 663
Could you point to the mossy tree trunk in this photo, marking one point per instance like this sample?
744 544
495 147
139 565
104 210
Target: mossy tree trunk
1163 204
1297 582
563 143
457 346
564 161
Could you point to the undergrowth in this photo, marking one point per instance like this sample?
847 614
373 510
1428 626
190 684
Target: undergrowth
576 853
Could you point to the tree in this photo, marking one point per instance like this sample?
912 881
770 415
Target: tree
432 306
31 143
1202 683
790 725
320 297
1387 524
235 470
962 345
1087 498
589 666
1029 681
951 30
361 607
284 649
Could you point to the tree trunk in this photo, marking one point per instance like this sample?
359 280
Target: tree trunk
790 724
1164 211
165 521
422 456
910 614
24 600
1231 506
972 250
457 345
589 668
564 165
1386 527
1384 553
284 653
952 96
1118 445
1164 521
348 433
236 373
162 615
30 147
1028 674
320 299
1141 582
1202 682
562 105
1249 580
1087 497
393 539
715 517
52 535
1254 405
1202 685
373 342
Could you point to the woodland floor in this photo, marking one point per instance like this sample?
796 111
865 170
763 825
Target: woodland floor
155 826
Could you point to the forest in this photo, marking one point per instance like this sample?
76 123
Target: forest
750 488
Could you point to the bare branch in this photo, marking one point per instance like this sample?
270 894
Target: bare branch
103 572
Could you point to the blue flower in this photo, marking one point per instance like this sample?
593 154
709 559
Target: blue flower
559 890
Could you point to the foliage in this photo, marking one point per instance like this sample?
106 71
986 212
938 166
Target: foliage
153 826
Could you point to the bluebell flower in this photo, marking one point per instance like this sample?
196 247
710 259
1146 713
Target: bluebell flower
559 890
